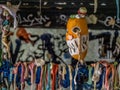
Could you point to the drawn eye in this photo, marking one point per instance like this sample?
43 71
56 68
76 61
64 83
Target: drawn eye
76 29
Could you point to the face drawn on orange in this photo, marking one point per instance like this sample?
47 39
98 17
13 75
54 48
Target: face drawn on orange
75 28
